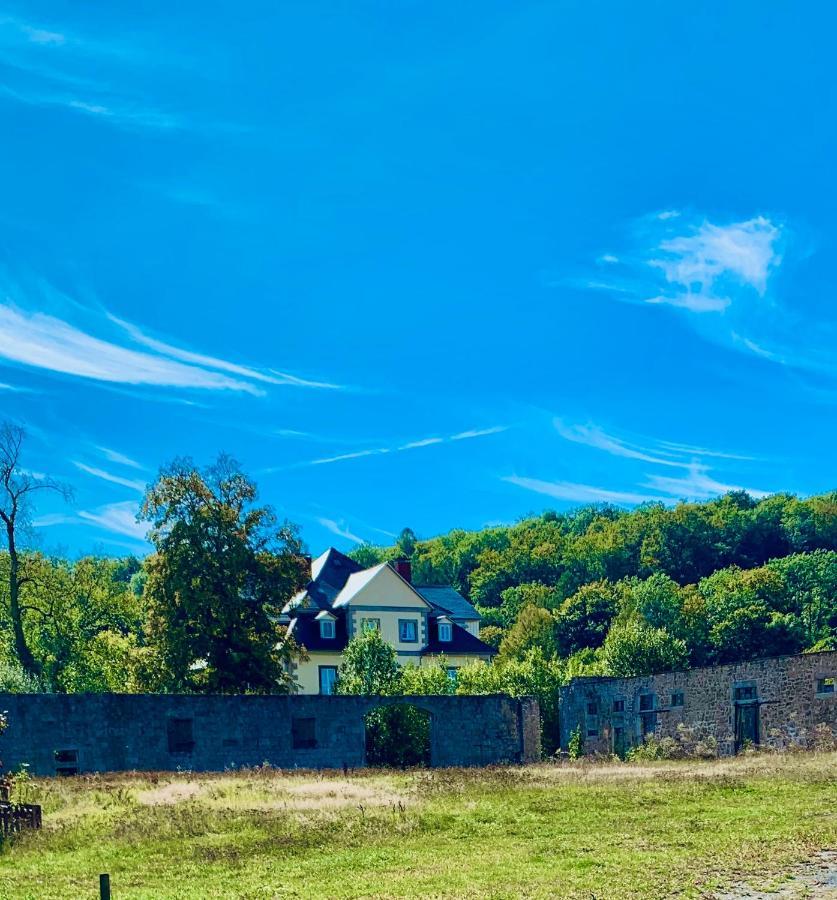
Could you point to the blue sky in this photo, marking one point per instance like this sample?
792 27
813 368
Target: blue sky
422 264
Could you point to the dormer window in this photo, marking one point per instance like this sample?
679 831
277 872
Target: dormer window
327 626
445 631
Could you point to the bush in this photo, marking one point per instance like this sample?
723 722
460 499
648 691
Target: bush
689 743
15 680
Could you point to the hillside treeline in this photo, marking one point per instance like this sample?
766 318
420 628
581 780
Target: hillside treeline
624 592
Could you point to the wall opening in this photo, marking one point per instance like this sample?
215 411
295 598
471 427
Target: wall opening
180 735
304 733
398 736
66 762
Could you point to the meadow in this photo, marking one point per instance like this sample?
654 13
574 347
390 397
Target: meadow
604 830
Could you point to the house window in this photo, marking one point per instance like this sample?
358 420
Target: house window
304 734
825 686
677 698
452 672
408 631
592 708
445 631
370 624
646 702
592 732
745 692
619 706
326 628
180 735
328 679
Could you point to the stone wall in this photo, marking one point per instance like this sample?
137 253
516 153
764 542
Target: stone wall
65 733
775 702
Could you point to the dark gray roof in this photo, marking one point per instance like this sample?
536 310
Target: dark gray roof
446 599
462 641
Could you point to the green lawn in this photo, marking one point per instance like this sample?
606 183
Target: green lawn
608 831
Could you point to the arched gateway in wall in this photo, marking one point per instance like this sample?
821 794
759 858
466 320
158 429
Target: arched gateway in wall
69 733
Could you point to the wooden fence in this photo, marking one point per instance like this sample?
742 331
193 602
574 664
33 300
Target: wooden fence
15 817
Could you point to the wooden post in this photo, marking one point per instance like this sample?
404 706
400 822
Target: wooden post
104 887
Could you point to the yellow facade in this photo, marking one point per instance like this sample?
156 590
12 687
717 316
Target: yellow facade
307 674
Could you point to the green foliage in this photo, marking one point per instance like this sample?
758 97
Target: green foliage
222 570
535 627
492 635
398 736
635 648
427 679
14 679
575 745
369 666
583 620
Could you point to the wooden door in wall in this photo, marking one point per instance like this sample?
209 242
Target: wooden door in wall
746 725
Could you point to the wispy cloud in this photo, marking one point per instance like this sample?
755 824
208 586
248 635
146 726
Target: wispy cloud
340 529
479 432
51 68
593 436
358 454
200 359
697 485
117 518
707 263
103 353
119 458
45 342
114 518
417 444
134 485
579 493
721 276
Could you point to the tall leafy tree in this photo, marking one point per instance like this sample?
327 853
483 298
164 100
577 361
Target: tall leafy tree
222 570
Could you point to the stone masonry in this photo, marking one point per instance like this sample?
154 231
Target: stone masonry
775 702
67 734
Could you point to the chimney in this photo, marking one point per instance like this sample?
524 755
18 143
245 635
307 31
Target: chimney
404 568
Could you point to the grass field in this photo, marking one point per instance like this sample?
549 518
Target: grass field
575 830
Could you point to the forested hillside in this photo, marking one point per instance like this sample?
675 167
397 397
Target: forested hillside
595 590
627 592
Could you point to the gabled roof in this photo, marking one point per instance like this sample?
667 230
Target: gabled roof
447 599
357 581
333 568
462 641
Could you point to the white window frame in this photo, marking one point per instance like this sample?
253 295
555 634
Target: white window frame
445 632
332 680
327 629
404 624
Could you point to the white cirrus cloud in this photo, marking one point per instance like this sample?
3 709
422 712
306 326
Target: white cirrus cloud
697 485
134 485
704 263
44 341
117 518
340 529
200 359
120 459
579 493
593 436
409 445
